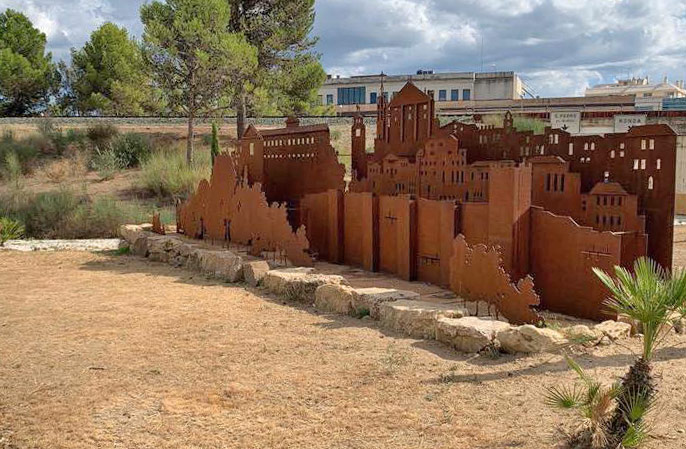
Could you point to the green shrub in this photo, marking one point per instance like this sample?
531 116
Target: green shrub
64 214
106 163
101 134
167 175
131 149
13 151
10 230
214 144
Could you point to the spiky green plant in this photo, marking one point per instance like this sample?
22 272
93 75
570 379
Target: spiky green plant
593 404
649 295
10 230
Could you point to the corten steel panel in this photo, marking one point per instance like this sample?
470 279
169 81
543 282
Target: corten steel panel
562 257
322 216
360 243
157 226
225 210
397 234
290 162
473 222
358 137
508 216
554 187
476 274
436 222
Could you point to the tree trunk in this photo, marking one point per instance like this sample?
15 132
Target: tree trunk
240 115
189 140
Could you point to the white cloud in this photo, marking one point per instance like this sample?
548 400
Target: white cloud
561 45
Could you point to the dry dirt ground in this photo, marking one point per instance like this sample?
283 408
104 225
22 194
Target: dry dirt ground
98 350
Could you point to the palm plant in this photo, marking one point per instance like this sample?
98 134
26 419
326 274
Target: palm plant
649 296
594 404
10 229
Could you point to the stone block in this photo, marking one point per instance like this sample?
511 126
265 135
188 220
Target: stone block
416 319
530 339
130 232
469 334
583 334
254 271
370 299
221 264
614 330
335 298
298 284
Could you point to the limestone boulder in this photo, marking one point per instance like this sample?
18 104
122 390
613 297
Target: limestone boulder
416 319
220 264
636 327
254 271
298 284
469 334
130 232
369 300
614 330
335 298
160 247
139 247
530 339
583 334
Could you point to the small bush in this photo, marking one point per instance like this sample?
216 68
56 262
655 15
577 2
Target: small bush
12 168
10 230
12 149
101 134
73 166
131 149
167 175
64 214
106 163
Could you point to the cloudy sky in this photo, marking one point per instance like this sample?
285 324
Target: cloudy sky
559 47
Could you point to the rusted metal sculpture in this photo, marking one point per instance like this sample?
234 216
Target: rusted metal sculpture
225 209
157 226
476 274
496 214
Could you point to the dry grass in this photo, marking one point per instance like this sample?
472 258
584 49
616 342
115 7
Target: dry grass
106 351
72 167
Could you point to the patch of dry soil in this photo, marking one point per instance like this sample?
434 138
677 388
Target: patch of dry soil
105 351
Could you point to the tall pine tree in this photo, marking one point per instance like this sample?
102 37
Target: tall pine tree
193 56
288 72
27 75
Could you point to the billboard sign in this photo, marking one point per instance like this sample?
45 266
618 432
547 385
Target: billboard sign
624 122
569 121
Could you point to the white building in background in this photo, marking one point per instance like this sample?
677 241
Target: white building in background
639 88
447 89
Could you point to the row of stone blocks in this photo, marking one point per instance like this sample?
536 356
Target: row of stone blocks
397 310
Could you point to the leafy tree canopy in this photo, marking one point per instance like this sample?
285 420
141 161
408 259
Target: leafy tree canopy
27 74
193 57
108 75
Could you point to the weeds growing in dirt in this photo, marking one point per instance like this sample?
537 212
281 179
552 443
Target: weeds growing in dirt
10 230
393 359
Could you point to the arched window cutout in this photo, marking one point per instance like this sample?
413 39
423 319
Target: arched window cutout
650 183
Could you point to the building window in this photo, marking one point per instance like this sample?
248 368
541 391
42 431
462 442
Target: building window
651 144
430 93
372 98
643 164
252 149
658 164
650 183
454 94
571 148
320 99
329 98
466 94
351 95
442 95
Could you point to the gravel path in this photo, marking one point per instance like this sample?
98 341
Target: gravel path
62 245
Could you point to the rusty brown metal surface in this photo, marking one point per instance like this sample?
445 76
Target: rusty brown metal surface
498 215
477 274
226 209
157 226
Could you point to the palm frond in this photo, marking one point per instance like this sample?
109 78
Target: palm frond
563 397
636 435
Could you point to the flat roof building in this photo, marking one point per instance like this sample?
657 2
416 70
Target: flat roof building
639 88
447 89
